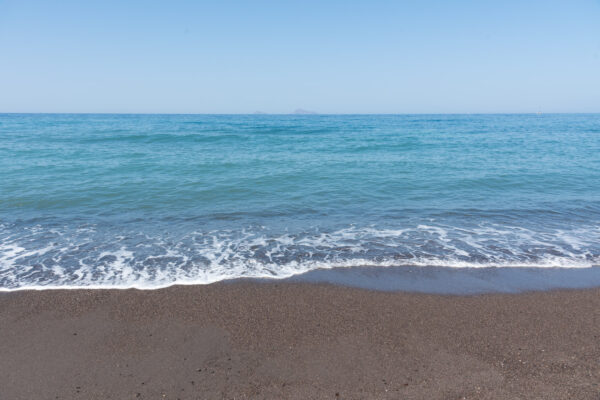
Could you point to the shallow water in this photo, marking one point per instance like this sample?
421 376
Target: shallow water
152 200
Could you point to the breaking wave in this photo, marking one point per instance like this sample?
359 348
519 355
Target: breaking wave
94 257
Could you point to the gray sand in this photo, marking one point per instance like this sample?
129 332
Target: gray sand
298 341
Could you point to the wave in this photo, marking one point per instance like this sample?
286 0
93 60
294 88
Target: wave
91 256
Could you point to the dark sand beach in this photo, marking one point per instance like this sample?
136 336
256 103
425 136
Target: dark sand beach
298 341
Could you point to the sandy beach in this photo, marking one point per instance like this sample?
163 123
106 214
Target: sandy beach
298 341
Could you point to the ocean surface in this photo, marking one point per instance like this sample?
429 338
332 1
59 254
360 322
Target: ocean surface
153 200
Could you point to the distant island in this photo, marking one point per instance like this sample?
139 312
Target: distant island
302 111
296 111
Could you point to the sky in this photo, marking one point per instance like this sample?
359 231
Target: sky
331 56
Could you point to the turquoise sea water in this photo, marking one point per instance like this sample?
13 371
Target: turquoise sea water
152 200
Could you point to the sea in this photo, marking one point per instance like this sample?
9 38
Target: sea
148 201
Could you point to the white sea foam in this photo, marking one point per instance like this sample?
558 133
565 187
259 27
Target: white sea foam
85 259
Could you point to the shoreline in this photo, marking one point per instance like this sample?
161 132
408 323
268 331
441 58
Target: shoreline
411 279
282 339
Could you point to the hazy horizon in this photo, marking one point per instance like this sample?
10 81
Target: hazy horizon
314 114
232 57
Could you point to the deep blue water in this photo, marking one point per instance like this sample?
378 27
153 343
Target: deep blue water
151 200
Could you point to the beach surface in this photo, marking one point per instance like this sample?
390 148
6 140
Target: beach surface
298 341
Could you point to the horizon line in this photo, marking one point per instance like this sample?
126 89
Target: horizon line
312 114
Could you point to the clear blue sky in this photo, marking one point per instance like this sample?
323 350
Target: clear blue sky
328 56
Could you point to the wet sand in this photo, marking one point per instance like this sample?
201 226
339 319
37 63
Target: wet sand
298 341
